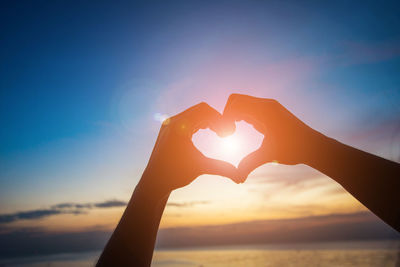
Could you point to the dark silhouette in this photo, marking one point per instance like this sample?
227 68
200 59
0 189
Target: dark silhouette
175 163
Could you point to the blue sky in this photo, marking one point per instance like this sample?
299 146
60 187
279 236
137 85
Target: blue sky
81 82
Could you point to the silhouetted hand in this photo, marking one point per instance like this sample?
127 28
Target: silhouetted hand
374 181
287 139
175 161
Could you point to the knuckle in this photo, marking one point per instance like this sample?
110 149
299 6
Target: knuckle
202 105
232 97
273 102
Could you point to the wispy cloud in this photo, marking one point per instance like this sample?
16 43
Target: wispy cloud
363 52
297 178
332 227
19 242
281 174
379 135
110 204
28 215
62 208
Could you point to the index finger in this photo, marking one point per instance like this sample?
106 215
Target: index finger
247 108
203 116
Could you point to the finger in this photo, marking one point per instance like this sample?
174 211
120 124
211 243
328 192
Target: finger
203 116
219 167
247 108
252 162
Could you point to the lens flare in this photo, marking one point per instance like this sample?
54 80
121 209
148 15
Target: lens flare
160 117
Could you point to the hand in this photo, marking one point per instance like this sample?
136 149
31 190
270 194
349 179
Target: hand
287 139
175 161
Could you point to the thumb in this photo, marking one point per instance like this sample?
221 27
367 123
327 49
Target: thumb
222 168
251 162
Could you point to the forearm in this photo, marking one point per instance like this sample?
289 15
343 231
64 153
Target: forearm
132 242
374 181
174 163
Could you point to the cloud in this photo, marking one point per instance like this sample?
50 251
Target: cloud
62 208
381 134
23 242
19 242
279 177
63 205
363 52
105 204
332 227
28 215
282 174
110 204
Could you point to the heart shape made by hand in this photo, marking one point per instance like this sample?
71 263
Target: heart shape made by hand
232 148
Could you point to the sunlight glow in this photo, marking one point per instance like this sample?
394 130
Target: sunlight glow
232 148
230 145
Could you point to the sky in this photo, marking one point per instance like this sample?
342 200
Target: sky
84 84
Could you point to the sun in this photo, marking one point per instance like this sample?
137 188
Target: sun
232 148
230 145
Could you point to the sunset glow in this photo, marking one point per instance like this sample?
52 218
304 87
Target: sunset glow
231 148
87 85
230 145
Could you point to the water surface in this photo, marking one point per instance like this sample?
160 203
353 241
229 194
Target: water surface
366 253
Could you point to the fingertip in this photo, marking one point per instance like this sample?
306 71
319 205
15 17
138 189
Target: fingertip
234 176
226 128
244 172
236 180
221 168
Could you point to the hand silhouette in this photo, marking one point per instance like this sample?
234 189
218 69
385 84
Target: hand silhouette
287 139
175 161
374 181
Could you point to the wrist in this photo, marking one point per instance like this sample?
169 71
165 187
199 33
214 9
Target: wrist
317 146
150 186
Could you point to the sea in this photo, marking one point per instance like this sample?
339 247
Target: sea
343 254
